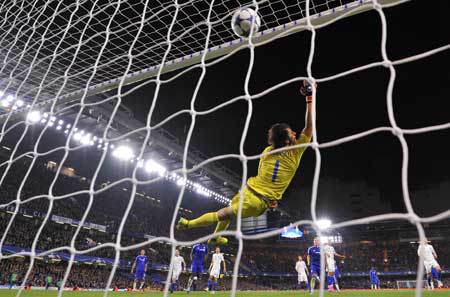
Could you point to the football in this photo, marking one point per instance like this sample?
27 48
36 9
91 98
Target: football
242 22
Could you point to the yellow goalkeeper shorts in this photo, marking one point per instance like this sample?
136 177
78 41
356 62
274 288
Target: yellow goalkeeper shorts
252 206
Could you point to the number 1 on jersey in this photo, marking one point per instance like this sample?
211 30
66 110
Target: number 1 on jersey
275 170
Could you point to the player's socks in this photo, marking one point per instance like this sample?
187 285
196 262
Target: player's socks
134 286
205 220
439 279
313 283
209 284
219 240
337 287
189 284
222 225
330 280
430 282
214 286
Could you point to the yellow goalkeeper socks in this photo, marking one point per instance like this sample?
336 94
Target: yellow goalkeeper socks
222 225
204 220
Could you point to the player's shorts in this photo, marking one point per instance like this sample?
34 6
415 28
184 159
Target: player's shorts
252 206
429 265
139 275
374 281
315 269
331 265
175 274
215 272
302 277
197 267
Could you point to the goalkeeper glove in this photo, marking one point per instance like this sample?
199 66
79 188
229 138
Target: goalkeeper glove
307 91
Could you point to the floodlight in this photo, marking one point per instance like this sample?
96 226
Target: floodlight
85 139
152 166
77 136
324 239
34 116
323 224
123 153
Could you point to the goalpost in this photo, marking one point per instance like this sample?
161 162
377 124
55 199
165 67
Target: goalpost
55 55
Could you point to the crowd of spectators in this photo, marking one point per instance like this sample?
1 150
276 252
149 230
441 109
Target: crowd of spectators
148 217
81 276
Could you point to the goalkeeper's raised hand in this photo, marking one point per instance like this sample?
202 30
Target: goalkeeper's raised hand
307 91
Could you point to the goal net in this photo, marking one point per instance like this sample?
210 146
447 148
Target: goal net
58 56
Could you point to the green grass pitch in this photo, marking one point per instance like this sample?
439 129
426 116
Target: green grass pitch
381 293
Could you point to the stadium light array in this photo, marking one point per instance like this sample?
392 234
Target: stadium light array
152 166
8 101
34 116
323 224
122 152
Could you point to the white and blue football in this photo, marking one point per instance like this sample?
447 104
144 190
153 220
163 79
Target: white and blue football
242 21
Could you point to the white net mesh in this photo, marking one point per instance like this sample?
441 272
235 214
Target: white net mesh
51 50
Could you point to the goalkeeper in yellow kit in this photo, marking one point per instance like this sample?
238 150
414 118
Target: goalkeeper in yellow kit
275 172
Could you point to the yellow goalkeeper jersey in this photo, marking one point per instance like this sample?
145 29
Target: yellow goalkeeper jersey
276 171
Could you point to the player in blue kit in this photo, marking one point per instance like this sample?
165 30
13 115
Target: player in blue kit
313 260
198 254
140 264
374 281
337 276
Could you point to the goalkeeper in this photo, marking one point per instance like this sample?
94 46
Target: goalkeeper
275 172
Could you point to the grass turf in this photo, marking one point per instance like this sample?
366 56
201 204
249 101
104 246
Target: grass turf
350 293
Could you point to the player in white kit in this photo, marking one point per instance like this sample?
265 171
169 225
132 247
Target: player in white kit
330 253
179 266
214 270
302 271
429 256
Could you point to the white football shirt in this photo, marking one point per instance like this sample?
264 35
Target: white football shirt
300 266
427 252
329 251
177 261
217 258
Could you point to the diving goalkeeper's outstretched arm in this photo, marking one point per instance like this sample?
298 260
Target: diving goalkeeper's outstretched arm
275 172
306 90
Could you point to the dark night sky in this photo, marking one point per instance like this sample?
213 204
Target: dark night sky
345 106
